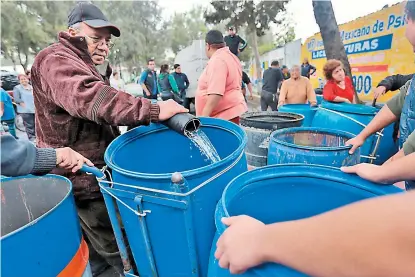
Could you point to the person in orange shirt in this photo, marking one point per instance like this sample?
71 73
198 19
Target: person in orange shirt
219 89
297 90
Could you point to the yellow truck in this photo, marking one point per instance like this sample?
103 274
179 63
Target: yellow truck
376 47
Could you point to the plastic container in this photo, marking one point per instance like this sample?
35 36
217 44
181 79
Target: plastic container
166 193
281 193
304 109
353 118
311 146
40 231
258 127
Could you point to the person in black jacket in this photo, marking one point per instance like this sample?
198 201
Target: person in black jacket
307 69
391 83
235 43
271 82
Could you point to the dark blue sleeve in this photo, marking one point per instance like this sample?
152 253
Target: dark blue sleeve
243 44
21 157
187 82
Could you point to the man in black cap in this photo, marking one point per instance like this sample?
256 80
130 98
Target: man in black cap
235 43
76 107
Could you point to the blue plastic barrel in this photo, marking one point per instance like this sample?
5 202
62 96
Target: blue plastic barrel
281 193
258 127
169 218
304 109
319 99
387 146
353 118
40 231
308 145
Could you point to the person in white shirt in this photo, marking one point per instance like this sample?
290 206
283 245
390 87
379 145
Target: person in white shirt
117 82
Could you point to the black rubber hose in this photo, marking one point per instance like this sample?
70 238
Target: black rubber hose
183 123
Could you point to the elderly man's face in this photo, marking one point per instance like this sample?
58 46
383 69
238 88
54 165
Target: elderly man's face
295 72
98 41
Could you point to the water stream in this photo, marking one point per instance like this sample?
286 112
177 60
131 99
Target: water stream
202 142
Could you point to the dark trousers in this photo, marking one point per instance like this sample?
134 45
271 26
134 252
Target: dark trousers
187 101
29 124
166 95
268 99
96 226
11 126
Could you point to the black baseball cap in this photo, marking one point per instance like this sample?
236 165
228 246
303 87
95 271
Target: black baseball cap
214 37
92 16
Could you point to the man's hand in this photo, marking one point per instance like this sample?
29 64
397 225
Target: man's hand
69 159
22 104
170 108
148 94
379 91
241 245
251 97
366 171
347 101
356 142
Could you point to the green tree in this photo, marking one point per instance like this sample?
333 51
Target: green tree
333 45
29 26
257 17
141 25
183 28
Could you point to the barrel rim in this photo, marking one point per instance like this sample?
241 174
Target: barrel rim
5 179
114 146
300 105
248 116
359 109
296 170
320 130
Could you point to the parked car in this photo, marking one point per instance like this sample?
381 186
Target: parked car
8 81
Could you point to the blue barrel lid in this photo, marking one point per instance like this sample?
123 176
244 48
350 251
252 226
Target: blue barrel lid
276 137
349 108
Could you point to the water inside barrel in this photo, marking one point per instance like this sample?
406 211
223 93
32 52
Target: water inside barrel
202 142
23 200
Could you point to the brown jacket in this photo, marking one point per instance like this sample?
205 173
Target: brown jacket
76 107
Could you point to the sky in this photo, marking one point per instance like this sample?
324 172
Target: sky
301 10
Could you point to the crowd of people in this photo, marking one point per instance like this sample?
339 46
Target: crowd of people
22 98
76 112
